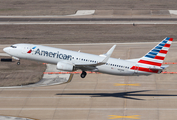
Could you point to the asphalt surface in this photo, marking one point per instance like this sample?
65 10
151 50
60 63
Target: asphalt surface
63 7
100 15
85 19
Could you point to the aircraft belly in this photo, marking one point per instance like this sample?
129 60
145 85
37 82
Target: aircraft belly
115 71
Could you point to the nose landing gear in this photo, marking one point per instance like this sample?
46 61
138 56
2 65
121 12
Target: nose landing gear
83 74
18 63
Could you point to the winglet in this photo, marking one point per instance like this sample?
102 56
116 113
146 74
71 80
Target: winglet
111 50
108 54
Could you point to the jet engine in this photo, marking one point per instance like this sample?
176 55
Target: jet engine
65 66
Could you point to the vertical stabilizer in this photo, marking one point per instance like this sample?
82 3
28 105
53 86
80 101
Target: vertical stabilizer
156 56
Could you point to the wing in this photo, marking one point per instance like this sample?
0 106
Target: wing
88 66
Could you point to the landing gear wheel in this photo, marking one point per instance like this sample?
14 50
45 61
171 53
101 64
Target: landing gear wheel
83 74
18 63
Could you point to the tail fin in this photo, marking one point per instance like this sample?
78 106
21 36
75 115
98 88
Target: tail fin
156 56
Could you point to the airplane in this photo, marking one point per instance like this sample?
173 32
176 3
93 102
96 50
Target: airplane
67 60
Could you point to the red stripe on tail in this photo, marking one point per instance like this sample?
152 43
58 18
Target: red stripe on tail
159 57
150 63
171 39
167 45
163 51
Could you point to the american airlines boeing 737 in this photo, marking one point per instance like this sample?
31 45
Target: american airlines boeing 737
67 60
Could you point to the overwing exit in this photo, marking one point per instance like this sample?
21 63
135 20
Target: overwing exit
67 60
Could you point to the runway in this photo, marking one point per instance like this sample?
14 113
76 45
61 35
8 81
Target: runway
97 96
63 21
98 17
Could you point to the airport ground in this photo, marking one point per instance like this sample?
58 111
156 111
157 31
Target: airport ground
17 75
64 7
100 96
65 34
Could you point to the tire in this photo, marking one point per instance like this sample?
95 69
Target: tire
83 74
18 63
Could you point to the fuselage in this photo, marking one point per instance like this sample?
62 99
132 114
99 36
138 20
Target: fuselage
54 55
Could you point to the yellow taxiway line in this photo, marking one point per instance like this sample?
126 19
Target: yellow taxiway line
131 117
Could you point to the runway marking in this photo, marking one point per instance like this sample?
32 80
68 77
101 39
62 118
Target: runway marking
117 90
9 117
174 12
118 84
169 72
89 72
95 109
131 117
170 63
88 23
78 13
83 12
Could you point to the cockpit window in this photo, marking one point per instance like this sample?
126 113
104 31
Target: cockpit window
13 46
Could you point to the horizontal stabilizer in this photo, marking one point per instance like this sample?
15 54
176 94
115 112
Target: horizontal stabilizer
164 66
155 68
159 68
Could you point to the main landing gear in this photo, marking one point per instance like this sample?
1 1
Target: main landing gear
83 74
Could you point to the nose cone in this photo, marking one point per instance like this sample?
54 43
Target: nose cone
5 49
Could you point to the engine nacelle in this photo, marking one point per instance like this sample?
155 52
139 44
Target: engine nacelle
65 66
